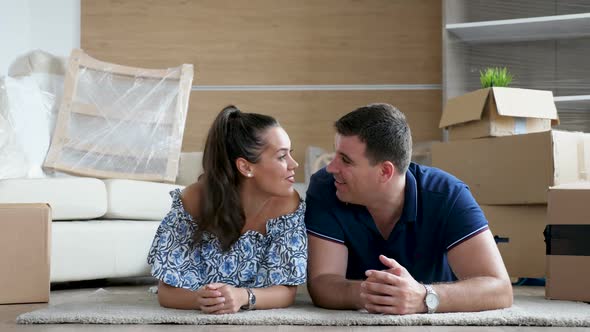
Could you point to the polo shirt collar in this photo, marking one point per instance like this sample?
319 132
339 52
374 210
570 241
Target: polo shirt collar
409 213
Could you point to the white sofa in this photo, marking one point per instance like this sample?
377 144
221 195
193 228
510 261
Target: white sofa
101 228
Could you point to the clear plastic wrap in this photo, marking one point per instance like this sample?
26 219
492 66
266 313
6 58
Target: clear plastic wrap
29 100
545 44
120 122
12 159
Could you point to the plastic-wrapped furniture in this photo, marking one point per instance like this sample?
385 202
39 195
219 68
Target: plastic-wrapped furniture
120 122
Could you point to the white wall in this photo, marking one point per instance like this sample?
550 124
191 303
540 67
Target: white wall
25 25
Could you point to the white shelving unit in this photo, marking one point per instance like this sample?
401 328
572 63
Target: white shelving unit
566 99
523 29
544 43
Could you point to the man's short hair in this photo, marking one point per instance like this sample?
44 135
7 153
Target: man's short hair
384 130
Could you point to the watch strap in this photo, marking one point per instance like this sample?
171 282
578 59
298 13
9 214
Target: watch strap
429 291
251 300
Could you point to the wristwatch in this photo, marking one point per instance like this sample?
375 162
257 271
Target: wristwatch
431 299
251 300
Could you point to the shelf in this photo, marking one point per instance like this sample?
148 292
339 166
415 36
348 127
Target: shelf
523 29
569 99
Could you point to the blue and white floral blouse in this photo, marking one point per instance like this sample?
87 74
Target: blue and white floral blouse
277 258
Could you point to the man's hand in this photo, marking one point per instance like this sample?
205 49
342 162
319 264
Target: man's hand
219 298
392 291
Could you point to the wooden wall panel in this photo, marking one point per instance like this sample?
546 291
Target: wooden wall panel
266 42
307 116
281 42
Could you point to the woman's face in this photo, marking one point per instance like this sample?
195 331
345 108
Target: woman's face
274 173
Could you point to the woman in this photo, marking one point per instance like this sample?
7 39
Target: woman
236 238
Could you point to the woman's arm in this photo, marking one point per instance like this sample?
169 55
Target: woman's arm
273 297
182 298
234 298
219 298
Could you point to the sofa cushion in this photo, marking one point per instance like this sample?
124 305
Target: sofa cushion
99 249
70 198
140 200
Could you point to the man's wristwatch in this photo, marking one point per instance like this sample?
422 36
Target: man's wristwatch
251 300
431 299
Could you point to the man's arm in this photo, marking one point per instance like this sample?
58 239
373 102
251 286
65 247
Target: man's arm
483 282
326 279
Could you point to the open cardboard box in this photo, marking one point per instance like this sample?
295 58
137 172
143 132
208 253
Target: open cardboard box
499 112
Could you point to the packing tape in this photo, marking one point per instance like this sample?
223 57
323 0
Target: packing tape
520 125
570 240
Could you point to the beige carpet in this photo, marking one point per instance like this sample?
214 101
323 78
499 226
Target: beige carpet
121 307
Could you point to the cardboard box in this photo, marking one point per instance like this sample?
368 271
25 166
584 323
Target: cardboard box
518 230
25 233
568 243
499 112
519 169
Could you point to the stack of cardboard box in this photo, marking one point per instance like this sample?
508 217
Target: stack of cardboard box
502 146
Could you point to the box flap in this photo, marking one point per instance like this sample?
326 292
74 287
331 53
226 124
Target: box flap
467 107
525 103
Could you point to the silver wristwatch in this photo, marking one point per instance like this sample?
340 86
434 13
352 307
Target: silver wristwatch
431 299
251 300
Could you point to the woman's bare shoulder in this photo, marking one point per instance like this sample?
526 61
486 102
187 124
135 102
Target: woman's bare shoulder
286 205
191 197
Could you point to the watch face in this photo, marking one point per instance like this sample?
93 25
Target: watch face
432 301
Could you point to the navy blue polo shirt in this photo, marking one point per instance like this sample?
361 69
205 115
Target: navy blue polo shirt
439 213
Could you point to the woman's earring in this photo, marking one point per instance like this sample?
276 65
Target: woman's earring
249 175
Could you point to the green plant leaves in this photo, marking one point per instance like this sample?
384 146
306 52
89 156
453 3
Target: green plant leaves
495 76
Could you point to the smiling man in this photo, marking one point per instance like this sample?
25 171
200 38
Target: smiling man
390 236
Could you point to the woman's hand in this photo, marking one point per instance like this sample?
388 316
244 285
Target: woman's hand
209 299
219 298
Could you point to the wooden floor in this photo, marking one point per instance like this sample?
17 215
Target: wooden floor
63 292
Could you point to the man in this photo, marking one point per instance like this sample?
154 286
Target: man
394 237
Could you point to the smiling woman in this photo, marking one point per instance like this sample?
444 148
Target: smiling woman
236 238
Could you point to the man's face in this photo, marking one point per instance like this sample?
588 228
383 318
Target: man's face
354 177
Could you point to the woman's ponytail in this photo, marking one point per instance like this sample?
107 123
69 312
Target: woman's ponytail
233 135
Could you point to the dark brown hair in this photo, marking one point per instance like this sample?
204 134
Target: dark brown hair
233 135
385 131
